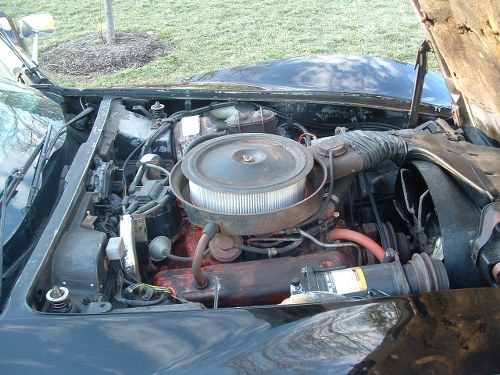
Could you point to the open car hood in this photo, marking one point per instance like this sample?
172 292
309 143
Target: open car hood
464 35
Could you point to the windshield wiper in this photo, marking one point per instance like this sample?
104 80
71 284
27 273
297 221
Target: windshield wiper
39 167
43 150
9 189
47 146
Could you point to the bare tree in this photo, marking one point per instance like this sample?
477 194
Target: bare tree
110 23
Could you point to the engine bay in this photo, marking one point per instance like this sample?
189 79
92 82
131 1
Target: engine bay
202 204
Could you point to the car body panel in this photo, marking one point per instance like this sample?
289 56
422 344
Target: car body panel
448 332
441 332
348 74
353 336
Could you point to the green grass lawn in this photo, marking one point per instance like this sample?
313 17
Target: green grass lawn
208 35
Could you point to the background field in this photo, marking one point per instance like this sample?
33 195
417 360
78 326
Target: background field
208 34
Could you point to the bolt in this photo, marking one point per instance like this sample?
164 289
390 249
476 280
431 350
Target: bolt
56 292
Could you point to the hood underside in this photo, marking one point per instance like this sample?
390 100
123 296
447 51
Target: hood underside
466 40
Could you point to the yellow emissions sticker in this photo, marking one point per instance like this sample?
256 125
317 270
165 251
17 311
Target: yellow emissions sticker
349 280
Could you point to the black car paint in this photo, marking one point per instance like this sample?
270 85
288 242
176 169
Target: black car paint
447 333
295 80
346 74
382 335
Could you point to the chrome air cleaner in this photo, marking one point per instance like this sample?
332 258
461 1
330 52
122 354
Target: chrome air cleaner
247 173
248 183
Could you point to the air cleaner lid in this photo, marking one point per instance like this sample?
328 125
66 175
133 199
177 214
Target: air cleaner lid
247 163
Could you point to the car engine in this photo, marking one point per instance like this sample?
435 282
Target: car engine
198 204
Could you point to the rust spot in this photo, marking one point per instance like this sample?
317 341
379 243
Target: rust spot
428 21
463 29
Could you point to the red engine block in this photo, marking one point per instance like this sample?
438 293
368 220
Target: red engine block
247 283
185 246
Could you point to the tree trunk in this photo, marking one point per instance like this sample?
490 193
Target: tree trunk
110 23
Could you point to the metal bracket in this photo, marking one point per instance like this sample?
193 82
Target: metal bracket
421 66
143 111
89 221
490 217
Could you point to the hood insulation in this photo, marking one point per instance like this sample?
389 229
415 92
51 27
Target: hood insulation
466 40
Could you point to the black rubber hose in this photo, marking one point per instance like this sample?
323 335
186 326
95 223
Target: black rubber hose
185 259
303 129
125 164
383 235
162 129
341 188
209 232
376 147
300 127
205 137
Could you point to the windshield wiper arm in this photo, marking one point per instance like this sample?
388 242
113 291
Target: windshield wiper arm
42 159
17 175
47 146
9 189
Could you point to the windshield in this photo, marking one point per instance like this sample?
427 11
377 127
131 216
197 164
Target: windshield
25 116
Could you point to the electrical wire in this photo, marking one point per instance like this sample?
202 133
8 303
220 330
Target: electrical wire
125 163
270 251
366 125
119 280
167 125
177 116
334 245
307 137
